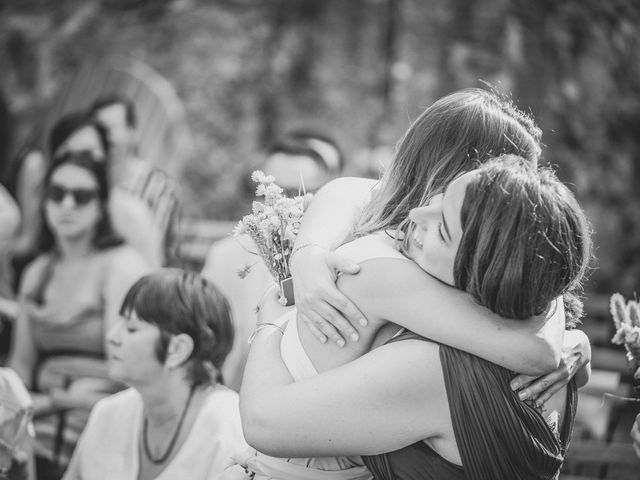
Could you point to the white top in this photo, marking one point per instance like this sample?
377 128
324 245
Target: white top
109 446
300 366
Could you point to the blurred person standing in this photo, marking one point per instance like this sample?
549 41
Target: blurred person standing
139 186
302 159
176 421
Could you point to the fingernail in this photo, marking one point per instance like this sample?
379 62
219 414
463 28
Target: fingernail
323 340
363 322
523 395
515 386
341 343
354 337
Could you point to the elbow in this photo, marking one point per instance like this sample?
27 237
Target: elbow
259 432
546 360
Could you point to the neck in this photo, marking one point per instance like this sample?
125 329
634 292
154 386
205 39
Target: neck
164 401
71 248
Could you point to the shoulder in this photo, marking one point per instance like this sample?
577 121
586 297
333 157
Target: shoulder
121 406
221 413
232 246
221 398
123 258
33 272
381 282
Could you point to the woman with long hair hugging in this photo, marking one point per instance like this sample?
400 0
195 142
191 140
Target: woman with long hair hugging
514 239
449 138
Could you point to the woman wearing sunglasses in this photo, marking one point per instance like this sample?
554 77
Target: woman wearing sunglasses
70 294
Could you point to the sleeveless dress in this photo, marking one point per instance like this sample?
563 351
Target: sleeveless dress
74 328
300 366
499 437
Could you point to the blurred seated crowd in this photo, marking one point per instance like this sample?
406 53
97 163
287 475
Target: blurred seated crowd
97 330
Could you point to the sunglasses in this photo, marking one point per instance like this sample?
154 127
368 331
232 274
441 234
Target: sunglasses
81 196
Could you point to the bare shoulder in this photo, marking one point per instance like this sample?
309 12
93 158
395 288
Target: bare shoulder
123 259
33 272
383 280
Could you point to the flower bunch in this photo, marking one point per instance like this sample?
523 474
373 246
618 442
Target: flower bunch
273 225
626 318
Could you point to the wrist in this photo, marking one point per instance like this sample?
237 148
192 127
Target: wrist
263 327
305 245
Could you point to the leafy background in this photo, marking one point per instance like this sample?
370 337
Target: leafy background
361 70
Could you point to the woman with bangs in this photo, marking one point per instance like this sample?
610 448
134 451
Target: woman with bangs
176 420
514 239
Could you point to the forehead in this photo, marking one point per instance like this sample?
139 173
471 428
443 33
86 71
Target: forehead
453 199
112 114
288 169
74 176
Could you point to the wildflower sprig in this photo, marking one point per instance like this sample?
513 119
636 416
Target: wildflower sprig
273 225
626 318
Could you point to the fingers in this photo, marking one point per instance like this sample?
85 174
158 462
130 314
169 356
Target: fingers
327 329
315 331
340 263
348 314
521 381
540 390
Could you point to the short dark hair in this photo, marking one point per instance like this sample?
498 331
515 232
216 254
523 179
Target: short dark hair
116 99
70 123
179 301
105 235
301 142
525 240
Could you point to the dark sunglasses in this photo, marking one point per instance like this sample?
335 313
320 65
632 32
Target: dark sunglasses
81 196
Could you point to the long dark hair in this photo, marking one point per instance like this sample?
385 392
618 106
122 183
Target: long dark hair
178 301
105 236
525 241
72 122
450 137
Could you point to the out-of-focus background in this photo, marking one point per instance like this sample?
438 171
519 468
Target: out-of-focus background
223 78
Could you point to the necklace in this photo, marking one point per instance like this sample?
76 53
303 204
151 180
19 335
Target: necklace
172 443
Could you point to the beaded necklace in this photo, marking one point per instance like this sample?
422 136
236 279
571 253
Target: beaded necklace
174 438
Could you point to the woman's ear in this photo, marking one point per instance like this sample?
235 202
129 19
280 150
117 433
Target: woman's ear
179 350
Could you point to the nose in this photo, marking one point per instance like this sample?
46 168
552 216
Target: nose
113 336
68 201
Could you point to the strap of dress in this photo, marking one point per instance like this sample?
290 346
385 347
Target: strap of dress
37 295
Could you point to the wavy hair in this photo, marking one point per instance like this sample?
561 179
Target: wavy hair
450 137
525 241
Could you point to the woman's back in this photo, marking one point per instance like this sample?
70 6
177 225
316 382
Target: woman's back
497 435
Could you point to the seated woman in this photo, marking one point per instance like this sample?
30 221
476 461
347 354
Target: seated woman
70 294
514 239
176 420
133 210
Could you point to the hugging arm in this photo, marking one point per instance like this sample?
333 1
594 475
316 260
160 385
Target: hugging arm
315 267
382 401
399 291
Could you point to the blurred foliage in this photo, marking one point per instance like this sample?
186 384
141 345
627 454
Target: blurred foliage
360 70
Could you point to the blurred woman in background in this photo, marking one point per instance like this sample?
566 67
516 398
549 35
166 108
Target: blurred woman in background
176 420
70 294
